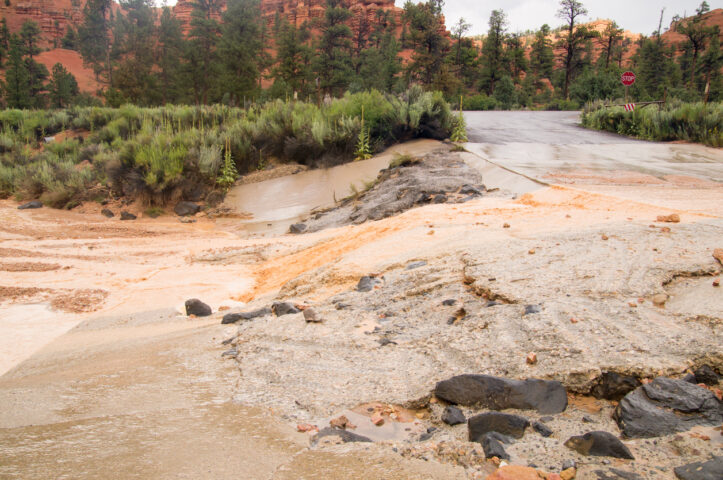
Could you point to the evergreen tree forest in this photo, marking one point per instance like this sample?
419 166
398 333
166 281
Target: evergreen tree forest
144 55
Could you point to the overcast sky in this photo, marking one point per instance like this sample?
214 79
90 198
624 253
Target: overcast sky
639 16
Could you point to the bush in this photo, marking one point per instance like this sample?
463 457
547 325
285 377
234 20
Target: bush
479 102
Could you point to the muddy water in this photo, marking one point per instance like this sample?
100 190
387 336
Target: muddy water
277 203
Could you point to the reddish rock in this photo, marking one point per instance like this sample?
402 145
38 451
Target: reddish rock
305 427
514 472
718 254
532 358
674 218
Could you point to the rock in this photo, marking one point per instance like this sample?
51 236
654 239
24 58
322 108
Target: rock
587 419
674 218
705 374
342 306
449 303
414 265
385 341
214 198
493 447
718 255
690 378
377 419
470 190
185 209
453 416
344 435
542 429
235 317
599 444
710 470
311 316
667 406
568 464
504 423
127 216
297 228
514 472
196 307
230 318
187 220
531 309
439 198
614 386
306 427
506 225
547 397
531 358
31 205
367 283
660 299
341 422
284 308
107 213
230 353
568 473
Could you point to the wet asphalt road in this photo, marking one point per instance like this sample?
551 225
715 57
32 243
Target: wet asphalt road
540 144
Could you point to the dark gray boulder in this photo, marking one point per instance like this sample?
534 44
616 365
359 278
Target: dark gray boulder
196 307
345 436
237 317
705 374
367 283
127 216
470 190
184 209
449 302
106 212
710 470
614 386
667 406
453 416
493 447
31 205
599 444
284 308
542 429
504 423
547 397
297 228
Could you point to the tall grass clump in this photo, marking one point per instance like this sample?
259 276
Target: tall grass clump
692 122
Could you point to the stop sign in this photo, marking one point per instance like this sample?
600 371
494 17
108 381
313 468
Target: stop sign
628 78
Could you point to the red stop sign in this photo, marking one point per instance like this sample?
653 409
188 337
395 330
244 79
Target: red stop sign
628 78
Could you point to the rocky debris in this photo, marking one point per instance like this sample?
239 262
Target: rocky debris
506 225
674 218
568 473
472 190
367 283
568 464
438 178
453 416
342 306
196 307
514 472
599 444
532 309
107 213
547 397
284 308
236 317
660 299
614 386
344 436
414 265
127 216
542 429
311 316
531 358
493 447
31 205
187 220
667 406
449 303
186 209
705 374
710 470
306 427
616 474
297 228
718 255
341 422
230 353
504 423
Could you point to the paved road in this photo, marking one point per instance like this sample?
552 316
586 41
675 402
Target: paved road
549 144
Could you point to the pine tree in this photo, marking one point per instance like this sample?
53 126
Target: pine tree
240 49
30 36
381 64
293 57
516 56
574 40
710 66
493 51
430 45
4 41
16 86
63 87
94 37
542 57
70 40
169 52
333 63
202 66
698 35
609 40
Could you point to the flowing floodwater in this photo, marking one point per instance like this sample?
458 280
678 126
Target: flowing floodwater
277 203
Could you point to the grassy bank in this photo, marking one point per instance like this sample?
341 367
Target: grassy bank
165 154
692 122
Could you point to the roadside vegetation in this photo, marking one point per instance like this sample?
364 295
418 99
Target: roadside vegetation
165 154
692 122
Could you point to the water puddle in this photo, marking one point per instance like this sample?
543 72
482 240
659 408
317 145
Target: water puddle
382 422
275 204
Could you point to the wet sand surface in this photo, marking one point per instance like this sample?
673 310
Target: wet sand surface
135 390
